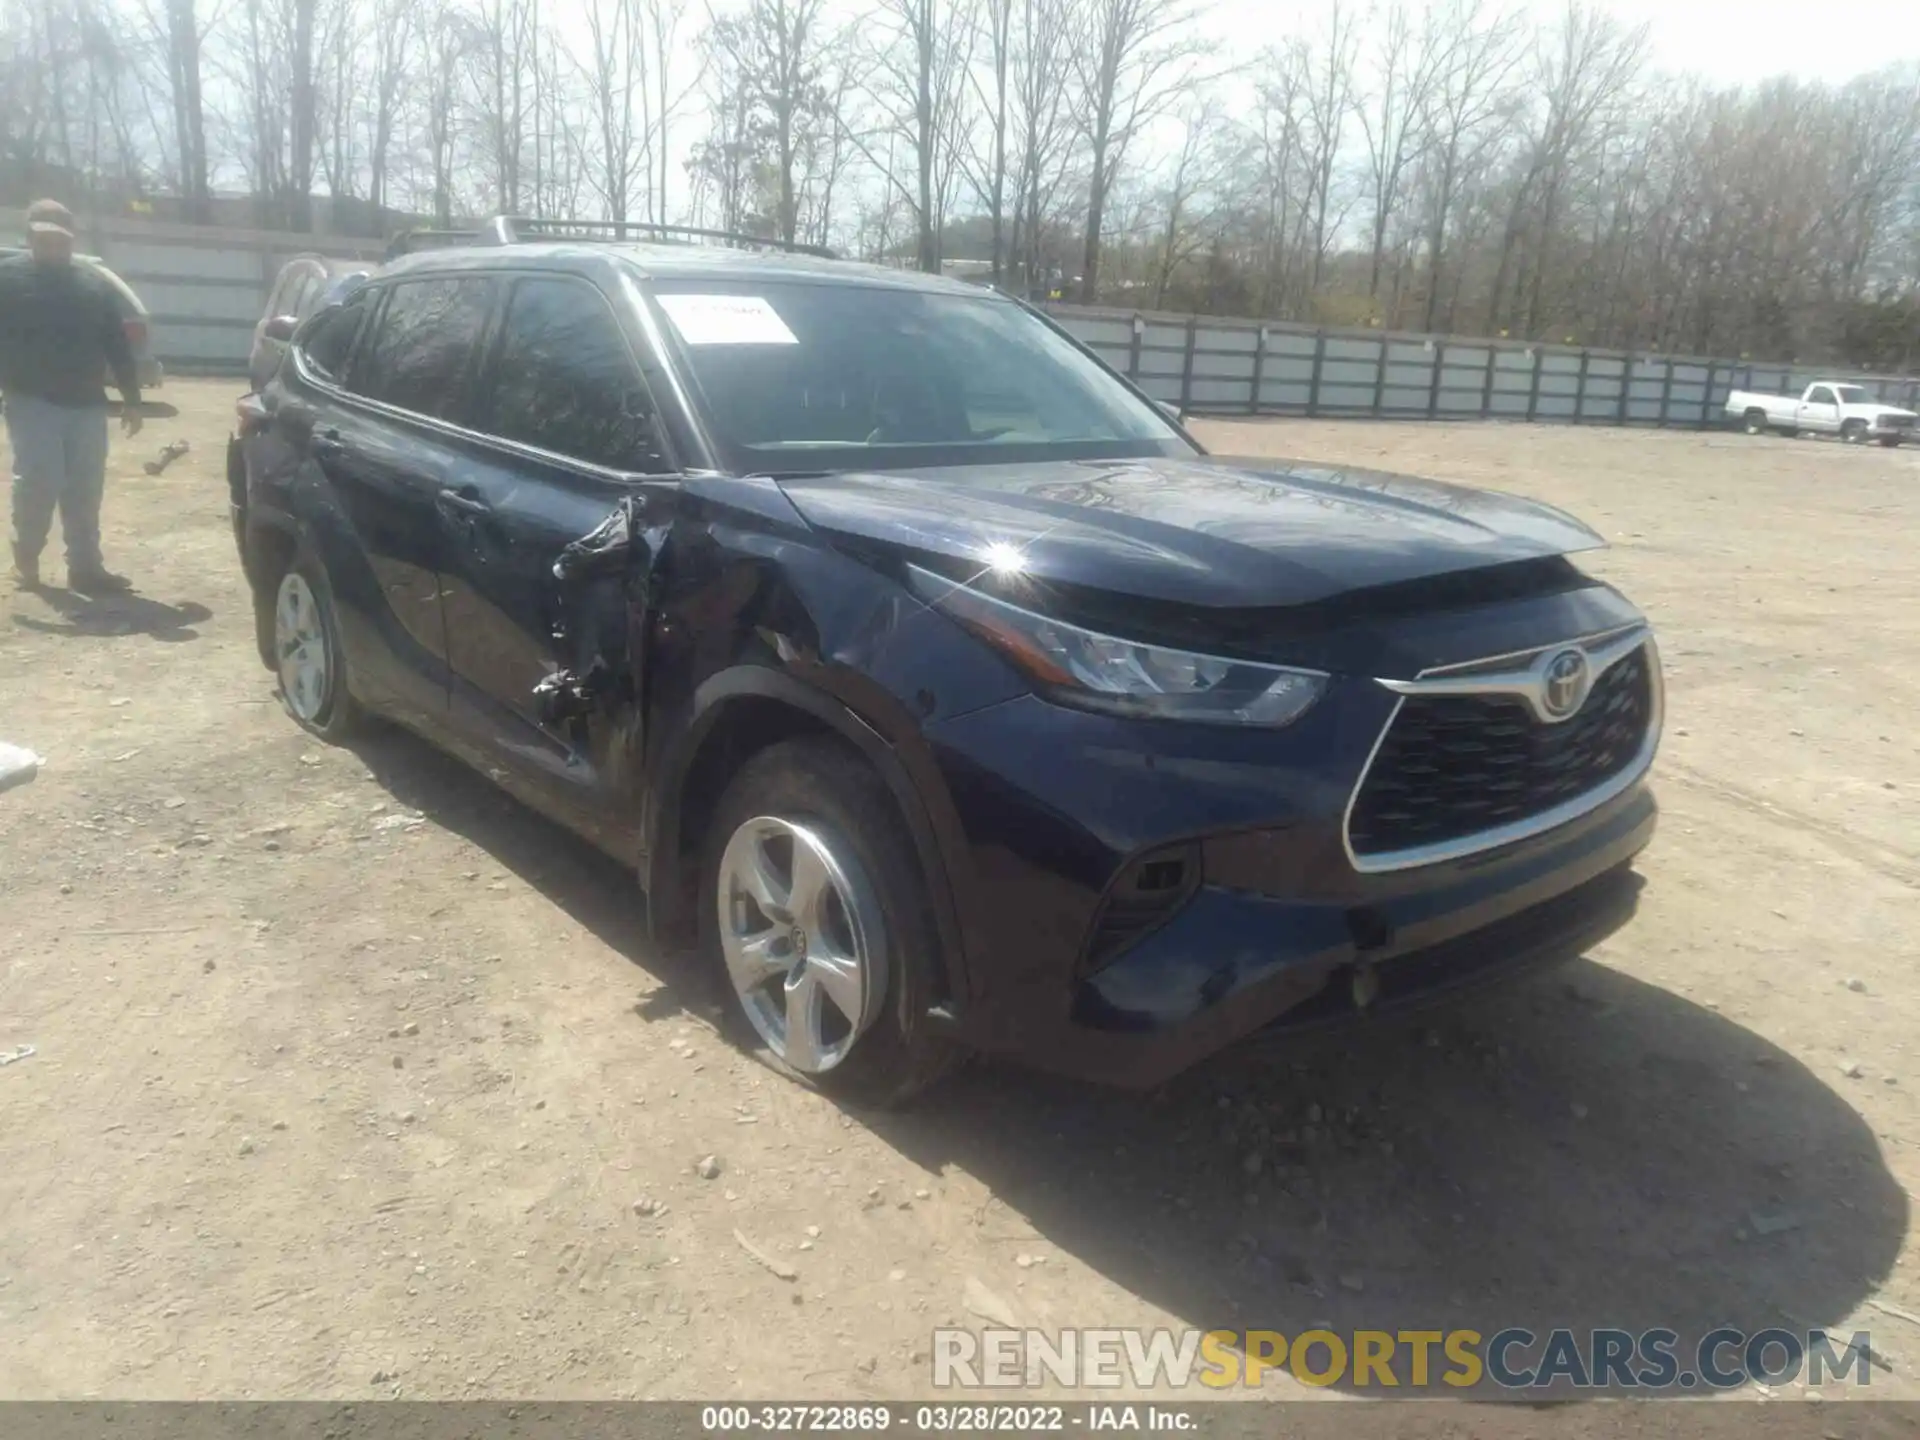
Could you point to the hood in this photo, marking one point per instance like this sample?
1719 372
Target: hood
1203 532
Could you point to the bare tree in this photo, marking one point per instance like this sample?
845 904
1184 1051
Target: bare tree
1133 58
261 75
1329 99
1279 154
336 99
664 18
502 60
1196 170
920 66
396 31
449 43
990 80
1392 116
184 40
1042 123
617 77
1521 173
775 51
1584 68
1476 50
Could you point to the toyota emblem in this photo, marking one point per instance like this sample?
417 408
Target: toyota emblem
1564 686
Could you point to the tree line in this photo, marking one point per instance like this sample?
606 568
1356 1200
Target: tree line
1450 166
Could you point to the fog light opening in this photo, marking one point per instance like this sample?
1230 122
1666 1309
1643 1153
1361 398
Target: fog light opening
1146 894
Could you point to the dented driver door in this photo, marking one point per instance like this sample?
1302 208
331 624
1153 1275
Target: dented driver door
539 617
546 593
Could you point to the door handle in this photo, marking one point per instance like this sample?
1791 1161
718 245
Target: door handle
466 504
327 443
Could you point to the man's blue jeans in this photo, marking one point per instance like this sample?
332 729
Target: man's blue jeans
59 462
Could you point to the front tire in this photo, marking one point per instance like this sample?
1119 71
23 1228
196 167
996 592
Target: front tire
1854 432
308 657
815 909
1890 442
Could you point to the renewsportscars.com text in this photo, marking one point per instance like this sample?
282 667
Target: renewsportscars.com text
1512 1359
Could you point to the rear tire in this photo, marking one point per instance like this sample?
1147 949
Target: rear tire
1755 422
309 659
845 948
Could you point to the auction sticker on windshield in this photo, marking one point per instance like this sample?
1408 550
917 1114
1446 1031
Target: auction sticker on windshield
726 320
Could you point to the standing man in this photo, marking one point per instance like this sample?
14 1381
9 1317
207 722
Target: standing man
60 333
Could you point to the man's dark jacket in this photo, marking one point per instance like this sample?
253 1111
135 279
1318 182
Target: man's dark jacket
60 333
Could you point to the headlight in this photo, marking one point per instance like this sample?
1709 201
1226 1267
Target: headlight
1099 672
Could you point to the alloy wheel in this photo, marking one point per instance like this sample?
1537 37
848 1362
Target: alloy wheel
802 935
301 648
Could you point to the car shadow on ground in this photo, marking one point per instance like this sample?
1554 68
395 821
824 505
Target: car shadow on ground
113 615
1579 1149
597 893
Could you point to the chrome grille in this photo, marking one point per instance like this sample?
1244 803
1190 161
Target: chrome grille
1459 767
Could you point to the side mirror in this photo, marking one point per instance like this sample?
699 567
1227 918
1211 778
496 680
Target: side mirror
281 327
1172 411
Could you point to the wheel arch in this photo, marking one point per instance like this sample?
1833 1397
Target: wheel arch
737 713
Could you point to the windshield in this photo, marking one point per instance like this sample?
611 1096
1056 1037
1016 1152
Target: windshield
1854 395
799 376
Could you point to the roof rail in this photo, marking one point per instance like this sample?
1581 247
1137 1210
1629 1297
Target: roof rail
518 230
408 241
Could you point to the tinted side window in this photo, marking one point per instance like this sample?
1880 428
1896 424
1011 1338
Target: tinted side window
564 380
419 354
1821 396
328 340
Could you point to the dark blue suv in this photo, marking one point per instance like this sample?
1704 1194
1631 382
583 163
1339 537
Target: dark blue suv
930 677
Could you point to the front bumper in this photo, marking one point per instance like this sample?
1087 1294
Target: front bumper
1277 921
1235 963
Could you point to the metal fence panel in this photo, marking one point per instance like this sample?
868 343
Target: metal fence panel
1225 367
1233 366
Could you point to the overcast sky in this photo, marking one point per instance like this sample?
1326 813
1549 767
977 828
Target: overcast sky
1726 41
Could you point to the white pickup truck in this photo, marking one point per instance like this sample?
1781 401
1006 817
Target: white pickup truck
1827 408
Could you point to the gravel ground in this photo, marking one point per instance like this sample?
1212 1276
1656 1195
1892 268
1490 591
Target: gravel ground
350 1074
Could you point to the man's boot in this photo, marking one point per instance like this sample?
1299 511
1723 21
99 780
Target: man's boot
26 569
97 580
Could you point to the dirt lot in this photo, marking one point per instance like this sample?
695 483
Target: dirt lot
349 1071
